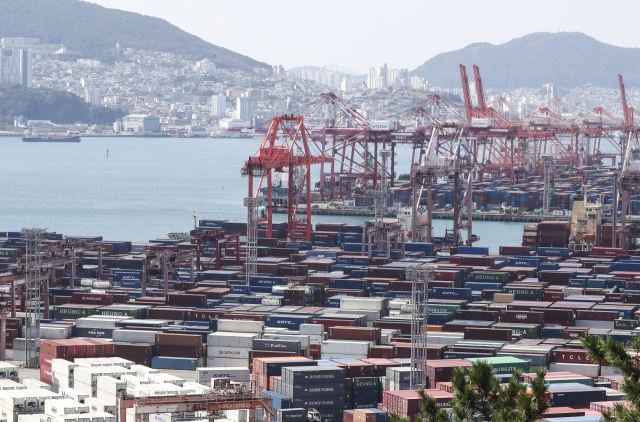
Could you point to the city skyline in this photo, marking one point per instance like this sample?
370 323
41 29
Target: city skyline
369 36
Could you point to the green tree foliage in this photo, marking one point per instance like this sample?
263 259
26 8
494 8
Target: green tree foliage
50 104
567 59
92 31
626 360
429 410
478 395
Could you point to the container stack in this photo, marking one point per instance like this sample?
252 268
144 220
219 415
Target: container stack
178 351
554 233
317 387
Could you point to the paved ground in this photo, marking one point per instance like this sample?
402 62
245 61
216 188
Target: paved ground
35 373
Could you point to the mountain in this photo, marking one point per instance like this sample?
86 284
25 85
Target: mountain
567 59
92 31
50 104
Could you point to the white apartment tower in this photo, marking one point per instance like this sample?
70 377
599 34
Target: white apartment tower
15 67
218 105
92 95
245 106
345 85
206 66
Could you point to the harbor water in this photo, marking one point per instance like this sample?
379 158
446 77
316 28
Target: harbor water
135 188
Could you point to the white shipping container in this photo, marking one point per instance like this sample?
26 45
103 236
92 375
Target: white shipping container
98 406
272 301
13 400
72 418
111 385
228 352
131 381
371 315
48 332
312 329
160 417
85 388
8 354
442 339
363 303
195 388
21 344
164 378
329 356
63 367
108 398
19 355
98 322
557 213
11 385
64 407
237 326
231 339
9 371
34 417
134 336
609 370
34 384
570 213
481 123
58 382
238 374
142 371
103 417
608 325
382 125
587 370
214 362
90 375
73 394
345 347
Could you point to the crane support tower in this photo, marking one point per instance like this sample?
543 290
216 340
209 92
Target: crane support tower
420 275
32 293
547 159
287 148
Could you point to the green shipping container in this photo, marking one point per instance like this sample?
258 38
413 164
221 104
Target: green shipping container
441 307
625 324
489 277
366 383
9 253
526 330
72 312
524 293
136 312
504 364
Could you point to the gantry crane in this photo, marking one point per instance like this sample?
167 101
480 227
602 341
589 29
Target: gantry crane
287 148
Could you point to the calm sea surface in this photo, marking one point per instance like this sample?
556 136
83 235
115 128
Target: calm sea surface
147 187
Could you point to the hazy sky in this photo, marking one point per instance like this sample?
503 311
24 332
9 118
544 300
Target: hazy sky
359 34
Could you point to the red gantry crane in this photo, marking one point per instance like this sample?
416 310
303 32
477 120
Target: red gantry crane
287 148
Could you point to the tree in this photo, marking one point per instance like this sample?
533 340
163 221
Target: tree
477 392
616 354
429 410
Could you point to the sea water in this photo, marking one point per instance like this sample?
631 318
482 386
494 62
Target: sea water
137 188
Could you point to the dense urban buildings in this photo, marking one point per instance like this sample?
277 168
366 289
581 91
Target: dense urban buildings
187 96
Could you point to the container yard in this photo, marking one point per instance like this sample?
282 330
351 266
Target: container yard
322 331
262 321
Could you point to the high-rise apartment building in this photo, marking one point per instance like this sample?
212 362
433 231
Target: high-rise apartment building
92 95
245 106
218 105
15 67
